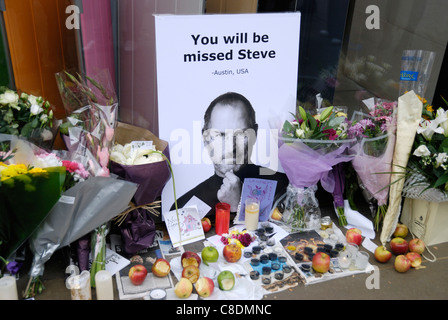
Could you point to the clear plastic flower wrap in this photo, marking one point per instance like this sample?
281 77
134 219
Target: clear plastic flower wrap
307 163
372 155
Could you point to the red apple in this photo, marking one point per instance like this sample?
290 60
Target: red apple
353 235
190 258
382 254
183 288
161 268
232 252
204 287
402 264
191 272
206 224
415 258
399 245
417 245
137 274
321 262
401 230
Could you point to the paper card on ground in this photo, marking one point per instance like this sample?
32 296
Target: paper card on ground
186 228
202 207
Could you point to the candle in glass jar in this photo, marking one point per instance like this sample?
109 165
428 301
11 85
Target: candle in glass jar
104 287
222 218
252 211
344 259
8 288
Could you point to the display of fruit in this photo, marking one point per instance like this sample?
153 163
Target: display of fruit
401 263
190 258
321 262
354 235
399 245
226 280
191 272
161 268
204 287
417 245
137 274
206 224
232 252
209 254
382 254
401 230
183 288
415 258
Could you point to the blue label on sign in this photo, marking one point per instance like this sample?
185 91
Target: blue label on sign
409 75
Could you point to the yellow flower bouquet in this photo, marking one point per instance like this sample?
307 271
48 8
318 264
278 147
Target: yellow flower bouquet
27 195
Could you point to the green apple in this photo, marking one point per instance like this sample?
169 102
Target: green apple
226 280
209 254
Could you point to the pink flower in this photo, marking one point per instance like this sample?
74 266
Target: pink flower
104 172
109 134
103 156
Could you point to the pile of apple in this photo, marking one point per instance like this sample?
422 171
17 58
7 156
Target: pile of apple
204 286
160 268
191 277
408 253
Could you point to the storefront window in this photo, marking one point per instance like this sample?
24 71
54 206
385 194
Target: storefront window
341 58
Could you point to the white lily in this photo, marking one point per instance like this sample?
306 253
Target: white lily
427 128
422 151
300 133
440 159
442 116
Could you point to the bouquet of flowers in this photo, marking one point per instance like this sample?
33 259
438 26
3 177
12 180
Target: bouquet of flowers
375 134
93 197
91 106
428 162
310 147
27 116
27 194
242 239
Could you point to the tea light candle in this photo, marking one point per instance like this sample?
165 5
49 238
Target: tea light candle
157 294
345 259
104 287
8 288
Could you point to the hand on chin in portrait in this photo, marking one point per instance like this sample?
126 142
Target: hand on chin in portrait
230 190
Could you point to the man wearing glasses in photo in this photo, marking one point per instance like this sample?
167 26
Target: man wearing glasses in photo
229 134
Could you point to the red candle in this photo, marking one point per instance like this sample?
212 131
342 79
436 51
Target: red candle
222 218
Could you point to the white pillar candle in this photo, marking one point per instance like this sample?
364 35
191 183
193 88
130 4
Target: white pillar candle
104 287
252 212
8 288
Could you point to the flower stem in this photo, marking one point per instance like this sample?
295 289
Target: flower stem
380 214
174 192
341 216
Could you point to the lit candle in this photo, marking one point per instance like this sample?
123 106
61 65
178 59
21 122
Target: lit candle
252 211
344 259
8 288
104 287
